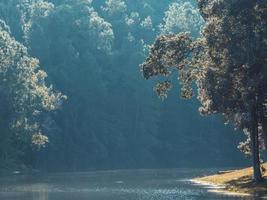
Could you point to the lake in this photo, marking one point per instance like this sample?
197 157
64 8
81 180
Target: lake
171 184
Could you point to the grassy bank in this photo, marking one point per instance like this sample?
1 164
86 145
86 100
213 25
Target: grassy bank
237 181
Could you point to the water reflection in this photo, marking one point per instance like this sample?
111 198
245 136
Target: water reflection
39 191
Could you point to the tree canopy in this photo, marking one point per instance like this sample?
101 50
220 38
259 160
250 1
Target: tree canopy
227 64
89 51
25 97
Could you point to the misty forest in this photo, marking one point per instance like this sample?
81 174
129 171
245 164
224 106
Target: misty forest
133 99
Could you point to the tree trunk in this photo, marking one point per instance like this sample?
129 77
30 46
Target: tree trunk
263 115
264 130
254 136
263 121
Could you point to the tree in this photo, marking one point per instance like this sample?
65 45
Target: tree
91 60
227 64
182 17
25 97
90 50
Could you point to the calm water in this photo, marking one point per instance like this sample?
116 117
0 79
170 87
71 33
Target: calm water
110 185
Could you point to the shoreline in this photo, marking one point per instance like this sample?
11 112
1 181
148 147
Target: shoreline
235 183
218 188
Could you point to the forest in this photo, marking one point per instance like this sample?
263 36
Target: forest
73 97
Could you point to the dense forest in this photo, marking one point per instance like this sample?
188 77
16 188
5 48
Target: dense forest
73 98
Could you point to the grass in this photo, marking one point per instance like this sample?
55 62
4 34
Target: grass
238 181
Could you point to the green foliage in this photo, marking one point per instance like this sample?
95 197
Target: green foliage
182 16
90 50
228 66
23 91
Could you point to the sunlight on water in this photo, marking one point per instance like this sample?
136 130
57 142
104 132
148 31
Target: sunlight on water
113 185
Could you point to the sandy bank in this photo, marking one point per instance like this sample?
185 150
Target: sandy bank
237 182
